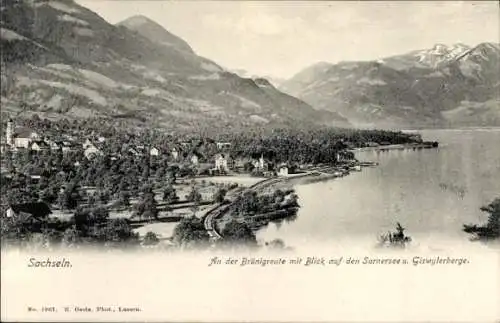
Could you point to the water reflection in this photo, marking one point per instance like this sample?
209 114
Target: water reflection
432 192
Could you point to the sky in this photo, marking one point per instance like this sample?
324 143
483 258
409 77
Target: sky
278 39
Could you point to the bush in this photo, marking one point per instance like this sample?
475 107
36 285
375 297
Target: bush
190 232
490 231
150 239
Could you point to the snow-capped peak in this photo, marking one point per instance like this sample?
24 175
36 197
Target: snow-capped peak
441 53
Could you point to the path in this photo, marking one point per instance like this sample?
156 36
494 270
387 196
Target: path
220 209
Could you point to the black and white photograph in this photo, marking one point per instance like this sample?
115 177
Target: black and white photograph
270 139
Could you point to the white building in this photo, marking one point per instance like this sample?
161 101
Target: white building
21 137
222 145
194 160
154 151
260 164
223 162
91 152
39 145
66 146
53 145
9 133
88 143
133 152
175 153
283 170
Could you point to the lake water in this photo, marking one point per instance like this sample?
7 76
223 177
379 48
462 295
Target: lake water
430 192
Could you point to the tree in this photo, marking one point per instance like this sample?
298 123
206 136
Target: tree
147 207
220 195
160 172
279 196
395 239
490 231
91 199
248 167
150 239
169 194
237 233
45 196
114 231
84 219
194 195
124 199
150 207
276 244
190 232
99 215
104 196
71 237
69 197
247 203
172 174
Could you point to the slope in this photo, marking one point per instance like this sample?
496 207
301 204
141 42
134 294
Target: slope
61 59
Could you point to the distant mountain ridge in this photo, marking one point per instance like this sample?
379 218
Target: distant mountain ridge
443 86
155 32
275 81
61 59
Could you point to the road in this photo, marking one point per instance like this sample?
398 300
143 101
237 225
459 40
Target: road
220 209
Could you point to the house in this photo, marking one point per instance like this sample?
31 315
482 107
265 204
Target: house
283 170
67 146
19 137
133 152
54 145
260 164
344 155
36 211
240 163
223 162
268 173
9 133
223 145
4 147
175 153
23 137
91 152
39 145
88 143
194 159
154 151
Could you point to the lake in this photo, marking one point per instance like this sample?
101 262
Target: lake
431 192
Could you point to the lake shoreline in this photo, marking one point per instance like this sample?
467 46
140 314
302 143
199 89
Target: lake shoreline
415 146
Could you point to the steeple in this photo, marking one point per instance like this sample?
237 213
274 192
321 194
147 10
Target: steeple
9 133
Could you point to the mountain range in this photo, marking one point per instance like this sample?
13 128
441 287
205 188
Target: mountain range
275 81
445 86
62 59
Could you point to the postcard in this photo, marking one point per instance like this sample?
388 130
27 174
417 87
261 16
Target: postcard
250 161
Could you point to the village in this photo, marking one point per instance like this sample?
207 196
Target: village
152 182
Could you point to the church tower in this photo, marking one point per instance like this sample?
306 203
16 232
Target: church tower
9 133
